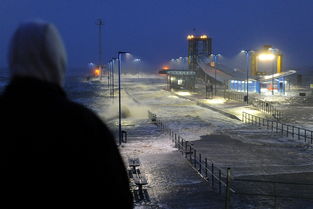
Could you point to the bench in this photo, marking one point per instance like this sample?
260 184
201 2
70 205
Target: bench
140 181
133 163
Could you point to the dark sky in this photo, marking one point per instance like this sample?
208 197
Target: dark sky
156 30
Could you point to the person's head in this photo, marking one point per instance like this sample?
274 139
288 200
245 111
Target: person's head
37 51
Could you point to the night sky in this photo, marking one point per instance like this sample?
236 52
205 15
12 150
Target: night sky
156 30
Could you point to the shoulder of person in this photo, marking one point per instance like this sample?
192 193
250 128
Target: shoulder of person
86 116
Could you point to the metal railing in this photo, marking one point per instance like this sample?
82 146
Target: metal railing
259 104
234 96
268 108
219 179
285 129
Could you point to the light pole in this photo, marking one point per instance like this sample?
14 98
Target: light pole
100 23
247 73
113 86
119 57
110 76
215 62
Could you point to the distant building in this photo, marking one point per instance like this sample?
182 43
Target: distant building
179 79
198 46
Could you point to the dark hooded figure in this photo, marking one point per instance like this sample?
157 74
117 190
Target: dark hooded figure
53 152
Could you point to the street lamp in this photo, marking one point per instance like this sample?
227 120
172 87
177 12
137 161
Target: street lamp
112 77
247 71
100 23
215 62
119 57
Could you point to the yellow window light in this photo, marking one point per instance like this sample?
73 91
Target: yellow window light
204 37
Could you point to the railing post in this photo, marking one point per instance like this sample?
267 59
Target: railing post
206 168
182 146
200 164
186 145
219 181
212 170
175 139
228 183
195 159
190 153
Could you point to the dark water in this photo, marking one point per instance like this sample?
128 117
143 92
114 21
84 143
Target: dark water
76 88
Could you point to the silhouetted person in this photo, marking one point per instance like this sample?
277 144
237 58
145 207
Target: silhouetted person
54 153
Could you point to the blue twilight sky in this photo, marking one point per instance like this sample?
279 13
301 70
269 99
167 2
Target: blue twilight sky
156 30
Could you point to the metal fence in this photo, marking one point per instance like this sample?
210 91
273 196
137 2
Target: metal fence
218 178
285 129
221 180
234 96
259 104
268 108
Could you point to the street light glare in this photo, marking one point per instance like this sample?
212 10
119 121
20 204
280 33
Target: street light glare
266 57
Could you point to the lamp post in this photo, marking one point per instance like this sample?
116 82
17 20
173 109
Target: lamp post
119 57
247 73
113 85
110 76
100 23
215 62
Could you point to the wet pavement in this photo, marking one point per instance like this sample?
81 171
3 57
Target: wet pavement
172 183
230 143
